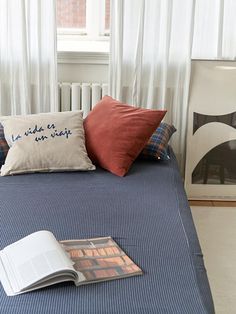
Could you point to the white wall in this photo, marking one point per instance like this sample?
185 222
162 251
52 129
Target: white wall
69 72
81 67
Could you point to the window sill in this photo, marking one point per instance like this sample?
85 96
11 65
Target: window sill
83 51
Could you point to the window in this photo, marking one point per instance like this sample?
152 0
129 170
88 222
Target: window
83 25
71 14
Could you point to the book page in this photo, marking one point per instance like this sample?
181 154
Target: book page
32 258
100 259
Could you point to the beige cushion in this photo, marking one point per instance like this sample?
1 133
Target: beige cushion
45 142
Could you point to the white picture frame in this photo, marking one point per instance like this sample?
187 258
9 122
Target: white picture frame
210 171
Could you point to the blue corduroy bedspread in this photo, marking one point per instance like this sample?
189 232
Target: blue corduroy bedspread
146 212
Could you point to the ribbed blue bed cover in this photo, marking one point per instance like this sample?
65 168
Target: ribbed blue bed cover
146 212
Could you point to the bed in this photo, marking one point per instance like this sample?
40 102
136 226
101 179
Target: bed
146 212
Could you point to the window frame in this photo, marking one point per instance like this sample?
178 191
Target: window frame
93 32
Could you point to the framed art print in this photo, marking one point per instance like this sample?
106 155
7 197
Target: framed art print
211 136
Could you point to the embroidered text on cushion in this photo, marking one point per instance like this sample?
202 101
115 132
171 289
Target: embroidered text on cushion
45 142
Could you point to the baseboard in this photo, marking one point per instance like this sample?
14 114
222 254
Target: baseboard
213 203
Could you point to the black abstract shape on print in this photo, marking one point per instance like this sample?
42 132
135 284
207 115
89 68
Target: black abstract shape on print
218 166
201 119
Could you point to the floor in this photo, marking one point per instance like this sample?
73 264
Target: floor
216 228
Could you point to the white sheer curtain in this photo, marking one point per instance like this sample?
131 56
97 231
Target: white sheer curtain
28 62
152 43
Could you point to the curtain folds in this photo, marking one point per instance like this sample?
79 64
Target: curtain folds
151 46
28 56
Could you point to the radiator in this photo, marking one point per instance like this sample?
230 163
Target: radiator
80 96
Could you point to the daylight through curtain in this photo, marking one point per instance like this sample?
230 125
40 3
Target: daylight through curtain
152 43
28 62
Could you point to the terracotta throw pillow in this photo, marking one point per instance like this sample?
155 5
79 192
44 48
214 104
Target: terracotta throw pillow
116 133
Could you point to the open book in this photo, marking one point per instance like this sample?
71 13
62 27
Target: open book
39 260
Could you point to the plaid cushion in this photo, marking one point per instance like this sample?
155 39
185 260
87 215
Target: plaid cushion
157 146
3 146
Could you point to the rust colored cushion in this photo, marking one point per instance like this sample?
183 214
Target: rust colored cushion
116 133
